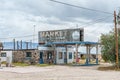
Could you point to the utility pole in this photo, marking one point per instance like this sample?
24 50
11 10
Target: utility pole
26 45
21 45
34 33
17 45
116 40
14 44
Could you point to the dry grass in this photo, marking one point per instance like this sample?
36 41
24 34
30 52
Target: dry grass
21 64
44 65
109 68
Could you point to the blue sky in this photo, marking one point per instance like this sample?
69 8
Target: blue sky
18 17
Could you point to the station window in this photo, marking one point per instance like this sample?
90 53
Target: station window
70 55
60 55
65 55
3 54
74 55
28 54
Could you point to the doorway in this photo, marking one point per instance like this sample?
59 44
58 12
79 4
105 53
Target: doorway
65 57
50 57
41 58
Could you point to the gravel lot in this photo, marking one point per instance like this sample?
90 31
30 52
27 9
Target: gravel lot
57 73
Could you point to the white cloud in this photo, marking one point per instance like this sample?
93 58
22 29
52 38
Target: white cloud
17 17
92 33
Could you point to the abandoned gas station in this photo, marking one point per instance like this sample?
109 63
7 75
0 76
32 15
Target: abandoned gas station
62 46
56 47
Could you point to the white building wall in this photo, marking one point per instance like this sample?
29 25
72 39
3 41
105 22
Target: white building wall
70 50
45 48
8 57
62 49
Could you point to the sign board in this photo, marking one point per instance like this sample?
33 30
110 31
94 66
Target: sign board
61 35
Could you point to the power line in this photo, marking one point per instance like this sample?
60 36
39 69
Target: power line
99 20
19 37
84 25
106 18
81 7
96 21
31 39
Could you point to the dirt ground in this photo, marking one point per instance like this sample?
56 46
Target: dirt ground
57 73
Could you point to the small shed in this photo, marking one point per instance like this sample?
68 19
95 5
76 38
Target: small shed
6 56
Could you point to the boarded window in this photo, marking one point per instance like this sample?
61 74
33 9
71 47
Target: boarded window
60 55
70 55
28 54
3 54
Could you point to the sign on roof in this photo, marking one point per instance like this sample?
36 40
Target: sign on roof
61 35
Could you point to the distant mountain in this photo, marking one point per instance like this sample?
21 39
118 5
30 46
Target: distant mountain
10 45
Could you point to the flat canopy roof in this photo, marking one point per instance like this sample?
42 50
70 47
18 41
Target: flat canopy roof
73 43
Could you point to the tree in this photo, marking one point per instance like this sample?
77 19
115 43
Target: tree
108 47
1 45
